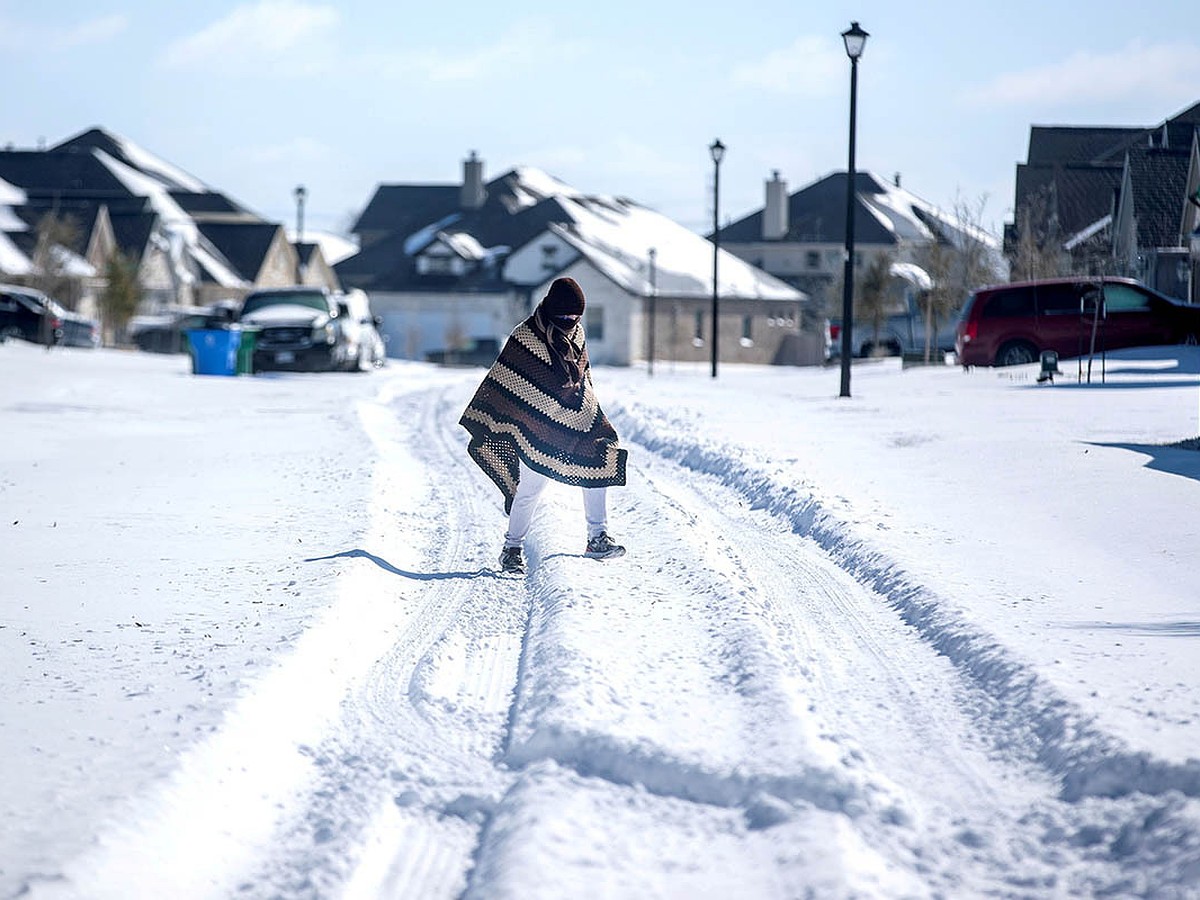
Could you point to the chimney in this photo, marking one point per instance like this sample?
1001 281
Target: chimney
775 216
473 194
896 179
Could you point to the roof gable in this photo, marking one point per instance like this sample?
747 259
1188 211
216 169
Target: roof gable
1158 180
133 156
244 244
405 207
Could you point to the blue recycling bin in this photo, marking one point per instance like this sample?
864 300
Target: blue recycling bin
215 350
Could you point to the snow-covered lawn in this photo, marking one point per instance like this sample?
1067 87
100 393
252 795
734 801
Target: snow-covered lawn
937 639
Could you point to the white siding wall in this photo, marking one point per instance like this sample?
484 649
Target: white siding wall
415 324
621 311
527 265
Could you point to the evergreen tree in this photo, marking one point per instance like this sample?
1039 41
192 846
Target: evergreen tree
121 295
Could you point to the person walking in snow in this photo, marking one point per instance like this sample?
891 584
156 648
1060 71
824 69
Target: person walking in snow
535 418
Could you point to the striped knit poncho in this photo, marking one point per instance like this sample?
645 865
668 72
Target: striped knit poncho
537 407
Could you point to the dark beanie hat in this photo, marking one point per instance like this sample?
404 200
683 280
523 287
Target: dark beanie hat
565 298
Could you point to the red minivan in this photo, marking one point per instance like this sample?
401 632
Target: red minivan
1011 324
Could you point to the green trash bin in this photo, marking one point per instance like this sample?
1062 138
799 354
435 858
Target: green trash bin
245 357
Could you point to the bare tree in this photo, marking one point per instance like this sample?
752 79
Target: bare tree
56 237
942 298
1038 249
977 262
871 294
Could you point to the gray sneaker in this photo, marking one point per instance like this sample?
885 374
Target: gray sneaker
603 547
511 560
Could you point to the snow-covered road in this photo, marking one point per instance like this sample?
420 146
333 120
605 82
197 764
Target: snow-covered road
749 704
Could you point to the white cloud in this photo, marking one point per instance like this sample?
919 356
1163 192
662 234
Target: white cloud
17 36
1138 70
516 47
811 66
251 36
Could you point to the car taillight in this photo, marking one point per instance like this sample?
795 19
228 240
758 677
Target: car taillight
56 323
970 331
834 331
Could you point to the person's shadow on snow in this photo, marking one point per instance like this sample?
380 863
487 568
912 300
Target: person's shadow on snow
417 576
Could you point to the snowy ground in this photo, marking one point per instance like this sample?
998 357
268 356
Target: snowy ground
938 639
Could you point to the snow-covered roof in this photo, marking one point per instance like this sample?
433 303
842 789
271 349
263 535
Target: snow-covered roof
913 274
463 244
531 186
147 162
334 247
10 194
71 263
907 215
1092 230
419 240
12 260
142 185
617 235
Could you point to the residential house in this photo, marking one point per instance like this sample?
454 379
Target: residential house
800 237
448 264
1114 200
191 244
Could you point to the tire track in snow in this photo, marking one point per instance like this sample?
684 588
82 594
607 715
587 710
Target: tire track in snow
898 712
755 753
1055 835
407 776
1068 743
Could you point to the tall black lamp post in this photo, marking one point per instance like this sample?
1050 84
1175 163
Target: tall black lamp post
299 193
717 149
653 312
855 39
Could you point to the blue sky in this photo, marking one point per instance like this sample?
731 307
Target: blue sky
621 98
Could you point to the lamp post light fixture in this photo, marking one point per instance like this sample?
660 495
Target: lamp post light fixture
299 193
653 312
855 39
717 149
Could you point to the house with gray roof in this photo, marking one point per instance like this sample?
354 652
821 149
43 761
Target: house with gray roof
446 265
1116 200
800 237
192 244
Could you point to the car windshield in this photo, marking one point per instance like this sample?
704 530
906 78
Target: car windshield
312 299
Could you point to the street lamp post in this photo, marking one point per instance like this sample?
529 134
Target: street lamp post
653 312
717 149
855 39
299 193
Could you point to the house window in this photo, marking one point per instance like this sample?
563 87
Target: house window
812 259
436 265
594 323
747 331
698 328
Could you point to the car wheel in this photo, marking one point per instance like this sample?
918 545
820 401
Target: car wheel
1016 353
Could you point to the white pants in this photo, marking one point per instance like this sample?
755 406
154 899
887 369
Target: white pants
529 494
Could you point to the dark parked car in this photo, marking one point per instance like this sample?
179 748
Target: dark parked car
476 352
167 333
30 315
298 330
77 330
1011 324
